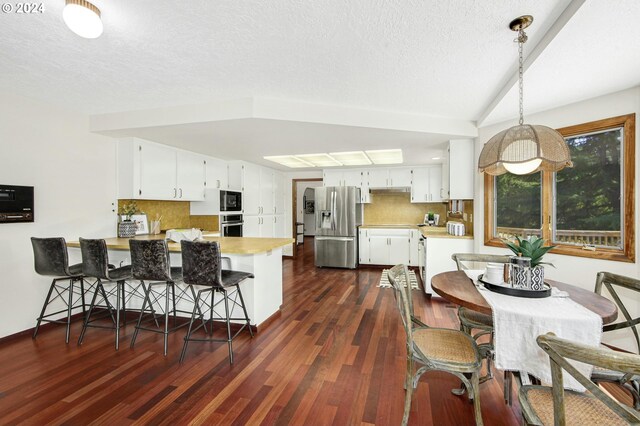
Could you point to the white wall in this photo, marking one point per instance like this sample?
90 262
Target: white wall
288 250
574 270
73 172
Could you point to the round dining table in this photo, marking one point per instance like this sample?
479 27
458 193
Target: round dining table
458 288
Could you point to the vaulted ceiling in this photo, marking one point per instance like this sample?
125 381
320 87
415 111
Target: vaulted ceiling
410 59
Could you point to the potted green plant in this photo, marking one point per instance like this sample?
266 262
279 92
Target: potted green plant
534 249
127 227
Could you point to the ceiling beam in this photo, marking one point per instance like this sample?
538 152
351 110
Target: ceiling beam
512 78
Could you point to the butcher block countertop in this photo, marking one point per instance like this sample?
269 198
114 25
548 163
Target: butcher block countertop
228 245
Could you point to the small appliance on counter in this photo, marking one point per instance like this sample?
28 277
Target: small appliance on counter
431 219
456 228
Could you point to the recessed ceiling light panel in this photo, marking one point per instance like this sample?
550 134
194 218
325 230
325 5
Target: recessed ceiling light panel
320 160
289 161
352 158
385 156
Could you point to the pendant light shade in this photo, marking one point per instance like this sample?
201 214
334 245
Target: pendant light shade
525 148
83 18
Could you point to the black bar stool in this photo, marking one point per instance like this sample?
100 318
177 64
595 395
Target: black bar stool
95 264
150 261
202 266
51 259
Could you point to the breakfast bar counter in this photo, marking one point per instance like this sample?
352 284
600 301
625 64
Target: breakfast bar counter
260 256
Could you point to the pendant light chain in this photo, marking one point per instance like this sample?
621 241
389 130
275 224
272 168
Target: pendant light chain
522 38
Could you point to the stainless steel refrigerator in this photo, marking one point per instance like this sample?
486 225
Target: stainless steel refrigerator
338 214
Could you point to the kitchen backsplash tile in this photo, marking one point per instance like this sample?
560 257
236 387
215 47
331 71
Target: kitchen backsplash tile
396 208
175 214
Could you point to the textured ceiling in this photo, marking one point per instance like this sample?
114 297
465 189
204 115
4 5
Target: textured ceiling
444 58
401 60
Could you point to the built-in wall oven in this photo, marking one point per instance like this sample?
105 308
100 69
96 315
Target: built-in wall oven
230 201
231 225
16 203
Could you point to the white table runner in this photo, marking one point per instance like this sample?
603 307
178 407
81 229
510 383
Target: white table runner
517 321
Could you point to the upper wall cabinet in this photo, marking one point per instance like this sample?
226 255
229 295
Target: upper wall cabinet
426 184
350 177
458 170
399 177
217 174
151 171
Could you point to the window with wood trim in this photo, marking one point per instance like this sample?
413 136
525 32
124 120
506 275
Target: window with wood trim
587 210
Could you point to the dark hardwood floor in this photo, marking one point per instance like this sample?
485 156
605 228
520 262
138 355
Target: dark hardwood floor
335 356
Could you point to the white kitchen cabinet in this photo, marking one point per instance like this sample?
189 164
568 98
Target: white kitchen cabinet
426 184
378 178
251 189
152 171
342 177
414 247
363 246
397 177
458 170
265 226
158 168
217 175
278 193
438 256
380 246
332 178
351 177
435 184
266 190
191 176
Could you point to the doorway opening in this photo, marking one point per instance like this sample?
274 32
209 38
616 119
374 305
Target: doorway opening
303 210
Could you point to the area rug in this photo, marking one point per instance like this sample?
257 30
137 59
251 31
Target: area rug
384 280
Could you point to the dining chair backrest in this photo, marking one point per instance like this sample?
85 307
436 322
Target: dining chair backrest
95 258
562 350
403 297
150 260
479 260
50 256
201 263
613 282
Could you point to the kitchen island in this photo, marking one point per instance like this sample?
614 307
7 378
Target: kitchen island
260 256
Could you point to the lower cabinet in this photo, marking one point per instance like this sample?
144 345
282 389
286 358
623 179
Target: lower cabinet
265 226
384 246
438 253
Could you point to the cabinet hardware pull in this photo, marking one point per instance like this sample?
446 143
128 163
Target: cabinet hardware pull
175 192
218 182
139 191
180 192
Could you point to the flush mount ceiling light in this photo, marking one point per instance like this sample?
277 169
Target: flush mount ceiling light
289 161
385 156
83 18
335 159
352 158
525 148
319 160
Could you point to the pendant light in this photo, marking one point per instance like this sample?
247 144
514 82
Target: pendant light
83 18
525 148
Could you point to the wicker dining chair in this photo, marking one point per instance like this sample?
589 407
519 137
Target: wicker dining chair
614 282
471 320
439 349
545 405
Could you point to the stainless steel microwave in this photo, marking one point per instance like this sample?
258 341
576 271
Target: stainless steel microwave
230 201
16 204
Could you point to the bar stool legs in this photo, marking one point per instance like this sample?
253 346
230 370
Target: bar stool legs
197 314
116 320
